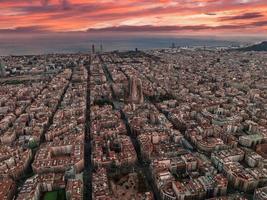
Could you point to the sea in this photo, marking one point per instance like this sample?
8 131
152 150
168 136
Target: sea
75 43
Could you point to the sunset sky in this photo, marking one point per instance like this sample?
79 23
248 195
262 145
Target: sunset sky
157 16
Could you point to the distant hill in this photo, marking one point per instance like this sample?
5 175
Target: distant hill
257 47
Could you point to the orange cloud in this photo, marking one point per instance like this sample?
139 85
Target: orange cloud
80 15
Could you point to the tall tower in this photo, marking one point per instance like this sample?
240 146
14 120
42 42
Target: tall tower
135 90
93 48
101 48
2 69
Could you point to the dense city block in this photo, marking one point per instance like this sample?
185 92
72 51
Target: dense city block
163 124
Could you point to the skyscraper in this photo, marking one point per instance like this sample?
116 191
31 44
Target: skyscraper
2 69
93 48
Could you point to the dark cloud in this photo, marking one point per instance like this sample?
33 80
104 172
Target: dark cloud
149 28
64 3
259 23
26 29
211 14
44 2
251 15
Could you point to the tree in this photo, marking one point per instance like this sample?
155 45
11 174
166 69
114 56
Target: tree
32 143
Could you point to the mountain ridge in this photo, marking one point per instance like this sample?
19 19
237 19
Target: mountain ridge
256 47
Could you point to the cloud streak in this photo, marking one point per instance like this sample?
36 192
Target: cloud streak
149 28
245 16
28 29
